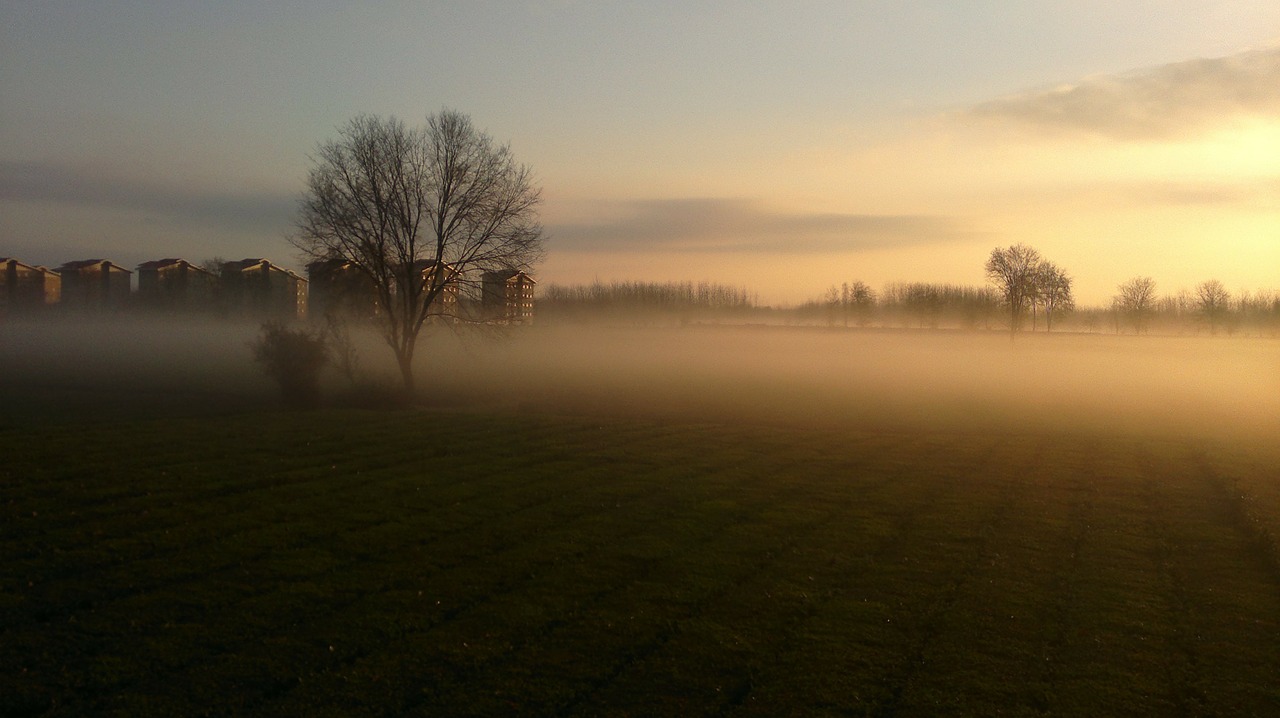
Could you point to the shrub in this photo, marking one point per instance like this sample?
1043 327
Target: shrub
294 359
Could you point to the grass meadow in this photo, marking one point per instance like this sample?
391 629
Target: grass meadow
622 553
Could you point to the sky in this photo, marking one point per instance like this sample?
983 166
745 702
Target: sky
780 147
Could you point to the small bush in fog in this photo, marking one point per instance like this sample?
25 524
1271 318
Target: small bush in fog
294 359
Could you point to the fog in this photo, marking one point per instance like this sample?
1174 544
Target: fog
105 367
891 380
1220 388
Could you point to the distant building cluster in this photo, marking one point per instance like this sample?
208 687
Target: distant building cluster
250 287
337 286
254 288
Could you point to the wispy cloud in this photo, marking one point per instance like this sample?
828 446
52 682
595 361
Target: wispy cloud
738 225
1246 196
1197 193
1169 101
41 182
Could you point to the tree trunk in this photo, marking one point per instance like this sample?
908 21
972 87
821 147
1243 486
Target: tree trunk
405 359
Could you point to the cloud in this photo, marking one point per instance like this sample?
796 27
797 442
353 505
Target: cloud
1169 101
737 225
1184 194
42 182
1245 195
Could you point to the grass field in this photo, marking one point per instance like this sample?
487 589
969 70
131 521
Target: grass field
603 521
491 563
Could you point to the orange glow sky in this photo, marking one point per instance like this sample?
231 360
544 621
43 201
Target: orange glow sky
778 146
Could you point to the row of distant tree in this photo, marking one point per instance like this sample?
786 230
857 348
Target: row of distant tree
1137 307
1026 292
1031 290
641 298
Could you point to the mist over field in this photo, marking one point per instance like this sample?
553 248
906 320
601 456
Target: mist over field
697 520
866 379
894 380
100 367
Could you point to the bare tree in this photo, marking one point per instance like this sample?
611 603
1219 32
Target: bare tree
834 302
855 298
419 212
1214 301
864 301
1137 300
213 265
1013 271
1053 287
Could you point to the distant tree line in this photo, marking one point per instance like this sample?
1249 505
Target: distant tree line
1025 292
1027 288
1137 307
643 298
906 304
934 305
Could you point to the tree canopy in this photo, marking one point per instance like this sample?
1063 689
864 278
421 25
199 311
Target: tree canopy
1025 279
1137 298
418 212
1013 271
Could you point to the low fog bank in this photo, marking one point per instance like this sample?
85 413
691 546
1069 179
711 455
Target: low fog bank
105 366
865 379
904 380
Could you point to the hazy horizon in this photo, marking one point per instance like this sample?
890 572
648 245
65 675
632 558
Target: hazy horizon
1199 388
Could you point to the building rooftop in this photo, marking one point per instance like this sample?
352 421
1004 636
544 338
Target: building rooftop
160 263
88 263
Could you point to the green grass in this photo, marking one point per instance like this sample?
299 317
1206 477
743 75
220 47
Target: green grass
450 563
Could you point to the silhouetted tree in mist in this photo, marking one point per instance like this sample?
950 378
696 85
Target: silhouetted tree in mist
1053 289
862 299
1014 272
1214 302
1259 310
850 299
925 303
418 211
1136 301
1026 280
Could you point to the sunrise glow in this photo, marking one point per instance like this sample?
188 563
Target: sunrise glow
774 149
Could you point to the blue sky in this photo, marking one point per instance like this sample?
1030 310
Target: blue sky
781 146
